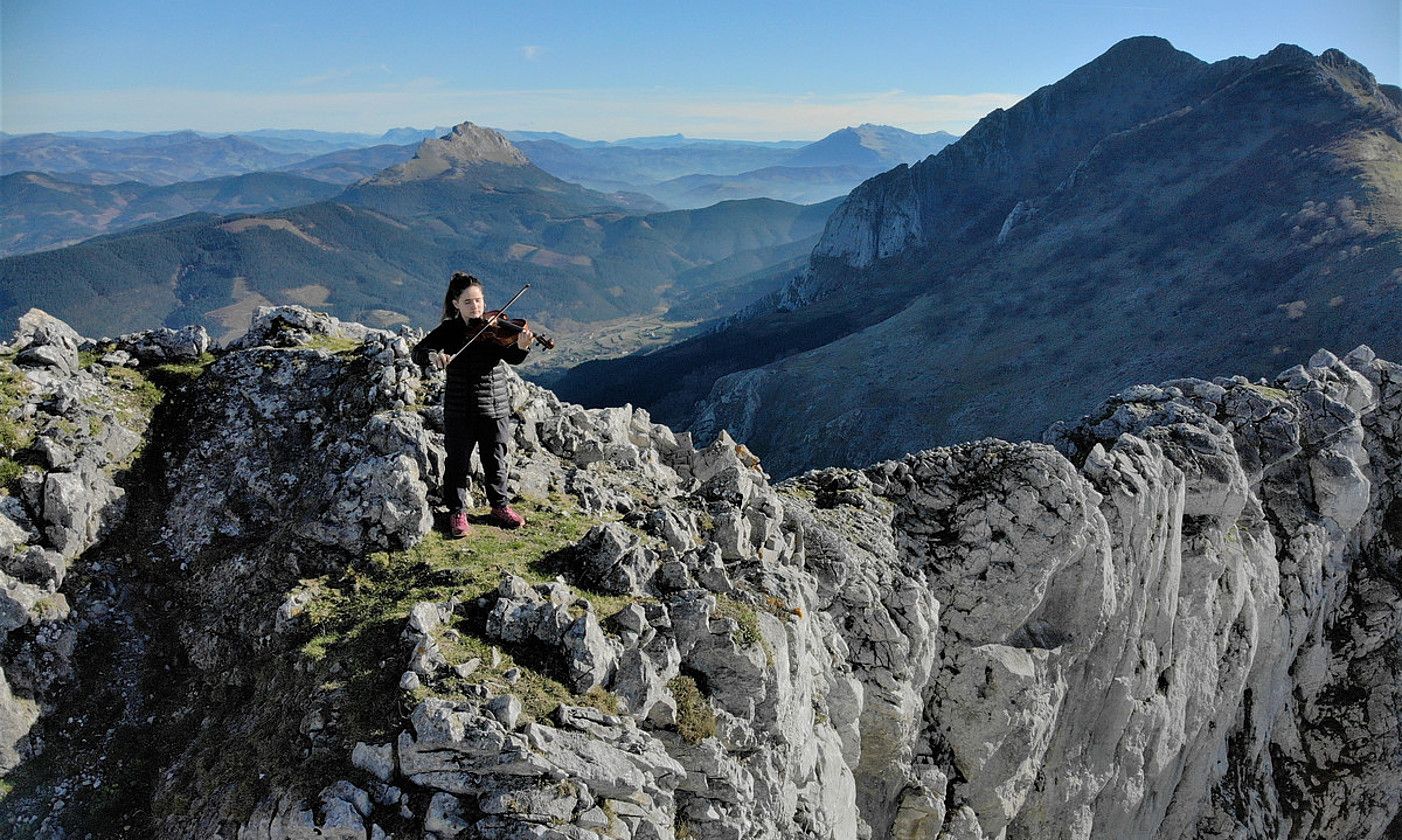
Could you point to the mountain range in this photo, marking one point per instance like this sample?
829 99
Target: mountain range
1148 215
691 174
642 174
382 249
157 159
38 211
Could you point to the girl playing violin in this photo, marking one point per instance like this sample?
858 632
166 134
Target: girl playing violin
476 406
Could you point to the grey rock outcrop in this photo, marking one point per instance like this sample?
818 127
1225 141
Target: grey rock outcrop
292 326
313 454
1176 617
164 344
76 429
613 559
1032 640
37 328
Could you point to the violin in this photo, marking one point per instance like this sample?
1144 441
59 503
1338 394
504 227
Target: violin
503 331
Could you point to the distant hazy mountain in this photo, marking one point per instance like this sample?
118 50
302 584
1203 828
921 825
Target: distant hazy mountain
38 211
330 139
109 135
618 166
350 165
303 147
554 136
382 250
400 136
690 173
669 141
800 184
870 145
647 172
1148 216
152 159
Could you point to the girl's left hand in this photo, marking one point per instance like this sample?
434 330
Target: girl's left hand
525 338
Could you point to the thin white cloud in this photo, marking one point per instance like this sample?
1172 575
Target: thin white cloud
342 73
532 51
322 78
601 114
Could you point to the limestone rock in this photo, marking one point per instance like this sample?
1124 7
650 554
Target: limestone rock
523 612
164 344
590 658
60 359
378 761
286 326
613 559
445 816
1192 589
37 328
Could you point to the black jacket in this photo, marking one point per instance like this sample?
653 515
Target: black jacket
476 378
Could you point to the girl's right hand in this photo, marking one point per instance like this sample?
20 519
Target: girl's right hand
439 359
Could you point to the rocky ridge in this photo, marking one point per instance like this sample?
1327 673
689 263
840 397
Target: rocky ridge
1045 232
71 427
1027 149
1149 216
1178 616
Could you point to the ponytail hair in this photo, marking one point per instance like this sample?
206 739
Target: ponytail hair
459 284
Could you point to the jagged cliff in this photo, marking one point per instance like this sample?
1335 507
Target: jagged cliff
1147 217
1176 617
1250 204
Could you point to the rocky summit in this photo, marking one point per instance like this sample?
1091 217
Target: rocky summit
464 147
227 612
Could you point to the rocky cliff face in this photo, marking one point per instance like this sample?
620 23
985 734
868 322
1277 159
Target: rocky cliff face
1025 150
69 430
1178 617
1194 195
1147 217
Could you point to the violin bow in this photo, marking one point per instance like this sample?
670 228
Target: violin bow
487 325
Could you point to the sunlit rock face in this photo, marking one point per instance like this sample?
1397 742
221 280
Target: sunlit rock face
1176 617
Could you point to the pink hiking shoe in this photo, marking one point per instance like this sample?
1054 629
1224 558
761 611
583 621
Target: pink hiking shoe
458 525
507 518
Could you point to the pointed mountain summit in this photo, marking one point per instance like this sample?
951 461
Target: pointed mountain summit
464 173
453 155
870 144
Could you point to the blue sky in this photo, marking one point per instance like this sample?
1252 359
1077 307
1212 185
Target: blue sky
605 70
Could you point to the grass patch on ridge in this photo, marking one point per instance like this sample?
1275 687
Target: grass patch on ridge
696 720
15 435
331 344
357 619
1269 392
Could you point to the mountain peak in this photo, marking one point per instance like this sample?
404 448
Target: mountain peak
1141 54
1288 54
464 147
869 144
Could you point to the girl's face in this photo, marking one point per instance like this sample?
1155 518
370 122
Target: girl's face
470 303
